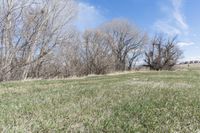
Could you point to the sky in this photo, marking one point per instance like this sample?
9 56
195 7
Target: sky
172 17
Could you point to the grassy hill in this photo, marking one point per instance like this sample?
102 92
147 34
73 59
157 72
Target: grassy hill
133 102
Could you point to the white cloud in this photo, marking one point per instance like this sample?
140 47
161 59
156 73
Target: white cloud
174 22
163 26
88 16
178 15
191 58
184 44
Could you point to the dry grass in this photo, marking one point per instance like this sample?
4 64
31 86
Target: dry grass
121 102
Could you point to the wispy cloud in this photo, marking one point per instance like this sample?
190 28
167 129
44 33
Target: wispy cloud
184 44
174 22
88 16
166 27
178 15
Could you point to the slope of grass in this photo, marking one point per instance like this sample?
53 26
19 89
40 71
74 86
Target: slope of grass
135 102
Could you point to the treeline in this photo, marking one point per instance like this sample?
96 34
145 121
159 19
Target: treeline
37 40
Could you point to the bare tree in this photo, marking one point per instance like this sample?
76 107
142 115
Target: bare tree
98 54
29 30
69 55
124 38
163 53
133 57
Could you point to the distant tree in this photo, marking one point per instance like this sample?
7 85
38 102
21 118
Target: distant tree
133 57
163 53
126 40
97 52
66 59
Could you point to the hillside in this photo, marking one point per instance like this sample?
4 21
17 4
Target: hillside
133 102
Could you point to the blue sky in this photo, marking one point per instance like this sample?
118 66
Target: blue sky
173 17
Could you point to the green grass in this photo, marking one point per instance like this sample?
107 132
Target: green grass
134 102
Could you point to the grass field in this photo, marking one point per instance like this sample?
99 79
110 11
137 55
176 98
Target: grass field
133 102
